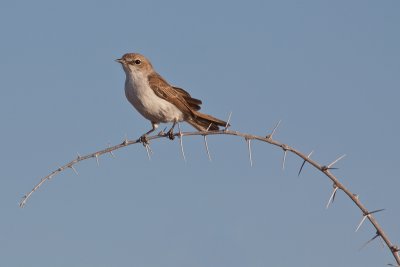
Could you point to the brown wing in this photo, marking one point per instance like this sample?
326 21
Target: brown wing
177 96
193 102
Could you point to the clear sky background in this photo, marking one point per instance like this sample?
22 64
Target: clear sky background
330 70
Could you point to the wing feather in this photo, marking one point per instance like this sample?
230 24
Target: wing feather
177 96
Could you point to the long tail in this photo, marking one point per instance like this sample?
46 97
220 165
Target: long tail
203 122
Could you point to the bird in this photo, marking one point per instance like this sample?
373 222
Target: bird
158 101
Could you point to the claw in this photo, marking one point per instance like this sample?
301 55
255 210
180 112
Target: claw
143 139
171 135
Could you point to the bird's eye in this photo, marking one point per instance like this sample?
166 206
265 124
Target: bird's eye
137 61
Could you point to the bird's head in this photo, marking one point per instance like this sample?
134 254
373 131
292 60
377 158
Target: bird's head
134 63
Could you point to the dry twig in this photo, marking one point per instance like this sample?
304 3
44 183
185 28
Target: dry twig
325 169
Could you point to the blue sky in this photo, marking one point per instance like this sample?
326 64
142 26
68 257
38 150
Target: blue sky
328 69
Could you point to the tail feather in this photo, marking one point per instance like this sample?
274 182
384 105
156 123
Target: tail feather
203 122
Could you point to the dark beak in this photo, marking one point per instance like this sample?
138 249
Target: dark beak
120 60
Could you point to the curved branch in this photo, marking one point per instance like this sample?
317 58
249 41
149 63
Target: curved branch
325 169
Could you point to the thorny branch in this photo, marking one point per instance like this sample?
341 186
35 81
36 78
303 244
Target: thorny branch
325 169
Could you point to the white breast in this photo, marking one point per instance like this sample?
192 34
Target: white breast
147 103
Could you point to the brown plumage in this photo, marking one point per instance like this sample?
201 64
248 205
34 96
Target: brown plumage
166 103
184 102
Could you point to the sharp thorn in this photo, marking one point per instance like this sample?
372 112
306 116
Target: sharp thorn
181 142
369 241
208 128
301 168
147 146
284 159
97 159
335 161
151 151
365 217
273 130
227 122
304 162
206 144
73 168
250 154
376 211
332 196
22 203
362 221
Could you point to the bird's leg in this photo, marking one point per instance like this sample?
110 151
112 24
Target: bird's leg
143 139
171 131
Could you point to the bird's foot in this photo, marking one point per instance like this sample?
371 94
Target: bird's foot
143 139
171 135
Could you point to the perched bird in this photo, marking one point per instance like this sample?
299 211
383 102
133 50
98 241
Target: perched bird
158 101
